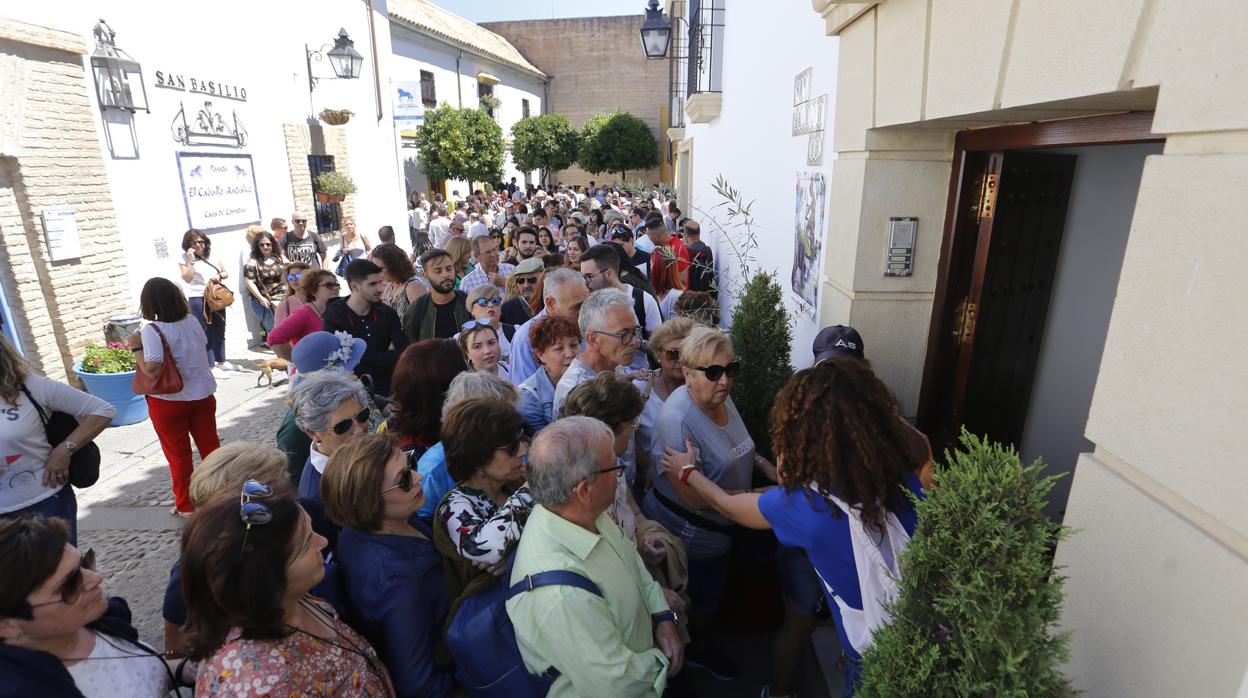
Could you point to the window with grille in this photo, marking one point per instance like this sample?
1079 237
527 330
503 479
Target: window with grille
524 109
328 215
428 92
485 93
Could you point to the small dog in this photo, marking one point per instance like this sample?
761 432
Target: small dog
268 366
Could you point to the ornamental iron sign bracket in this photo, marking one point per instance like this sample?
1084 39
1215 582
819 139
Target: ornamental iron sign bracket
208 128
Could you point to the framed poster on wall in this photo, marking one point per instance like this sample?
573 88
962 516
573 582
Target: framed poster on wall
219 190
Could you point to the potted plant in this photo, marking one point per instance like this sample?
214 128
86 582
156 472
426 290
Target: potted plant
332 187
335 117
107 372
760 339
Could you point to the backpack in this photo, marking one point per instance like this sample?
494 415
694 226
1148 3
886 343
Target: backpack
482 641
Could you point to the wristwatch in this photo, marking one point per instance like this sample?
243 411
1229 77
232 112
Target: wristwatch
663 616
70 446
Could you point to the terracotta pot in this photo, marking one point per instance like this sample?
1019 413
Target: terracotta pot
328 198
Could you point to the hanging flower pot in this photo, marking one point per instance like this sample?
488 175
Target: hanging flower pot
335 117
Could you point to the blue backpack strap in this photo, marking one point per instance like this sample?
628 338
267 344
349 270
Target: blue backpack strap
553 578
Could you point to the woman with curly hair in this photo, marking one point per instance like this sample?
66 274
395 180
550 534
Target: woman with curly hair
262 272
845 462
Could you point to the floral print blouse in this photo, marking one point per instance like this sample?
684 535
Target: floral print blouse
481 531
296 665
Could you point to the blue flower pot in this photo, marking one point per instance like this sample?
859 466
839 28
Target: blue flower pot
114 388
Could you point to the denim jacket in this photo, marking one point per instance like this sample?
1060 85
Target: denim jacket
395 596
537 400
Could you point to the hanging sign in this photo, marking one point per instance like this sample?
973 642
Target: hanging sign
60 229
409 110
219 190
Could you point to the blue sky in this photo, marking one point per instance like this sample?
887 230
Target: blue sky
499 10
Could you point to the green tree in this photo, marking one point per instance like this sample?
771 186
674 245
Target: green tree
544 142
464 144
978 597
760 339
617 142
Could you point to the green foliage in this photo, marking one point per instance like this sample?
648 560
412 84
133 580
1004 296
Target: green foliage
979 598
463 144
334 184
544 142
617 142
760 338
114 358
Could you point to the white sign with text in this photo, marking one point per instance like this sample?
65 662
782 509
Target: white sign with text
219 190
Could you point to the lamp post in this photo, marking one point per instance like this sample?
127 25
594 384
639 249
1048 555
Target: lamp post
656 32
115 72
343 57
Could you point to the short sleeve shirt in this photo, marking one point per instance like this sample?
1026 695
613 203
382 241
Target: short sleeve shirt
308 250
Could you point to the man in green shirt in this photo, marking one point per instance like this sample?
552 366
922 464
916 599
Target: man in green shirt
622 643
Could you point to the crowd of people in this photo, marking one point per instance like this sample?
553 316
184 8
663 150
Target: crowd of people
525 425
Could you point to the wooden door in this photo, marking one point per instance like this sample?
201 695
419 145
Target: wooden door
1008 219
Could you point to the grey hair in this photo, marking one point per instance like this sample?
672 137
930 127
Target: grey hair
562 455
320 393
594 311
470 384
556 279
482 291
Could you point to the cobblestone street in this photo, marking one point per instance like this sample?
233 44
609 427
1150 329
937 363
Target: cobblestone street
125 516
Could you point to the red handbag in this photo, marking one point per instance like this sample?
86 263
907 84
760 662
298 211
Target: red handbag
166 382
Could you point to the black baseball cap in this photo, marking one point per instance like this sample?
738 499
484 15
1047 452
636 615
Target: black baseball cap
838 341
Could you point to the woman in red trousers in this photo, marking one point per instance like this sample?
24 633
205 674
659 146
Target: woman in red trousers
192 412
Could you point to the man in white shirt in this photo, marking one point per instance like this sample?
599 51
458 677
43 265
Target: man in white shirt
475 227
439 226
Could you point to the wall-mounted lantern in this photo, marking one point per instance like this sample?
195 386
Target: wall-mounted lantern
115 74
343 57
656 32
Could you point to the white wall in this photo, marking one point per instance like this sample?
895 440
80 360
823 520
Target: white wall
258 46
1098 219
765 46
414 52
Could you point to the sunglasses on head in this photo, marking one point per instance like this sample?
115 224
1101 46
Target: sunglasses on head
251 512
71 588
493 302
716 371
473 324
405 479
513 448
344 426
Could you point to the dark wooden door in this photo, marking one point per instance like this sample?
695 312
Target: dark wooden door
1008 228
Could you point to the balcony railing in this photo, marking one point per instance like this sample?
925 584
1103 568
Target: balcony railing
705 46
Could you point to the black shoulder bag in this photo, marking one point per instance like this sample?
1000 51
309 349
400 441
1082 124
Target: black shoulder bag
84 463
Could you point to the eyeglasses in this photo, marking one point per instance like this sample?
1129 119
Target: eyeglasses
71 588
615 469
473 324
344 426
589 275
200 242
525 280
623 336
405 480
301 220
522 437
331 284
266 244
492 302
715 372
251 512
673 354
294 277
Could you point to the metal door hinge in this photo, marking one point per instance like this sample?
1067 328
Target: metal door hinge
964 323
987 198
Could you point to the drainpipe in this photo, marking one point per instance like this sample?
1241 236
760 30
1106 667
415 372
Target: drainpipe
459 83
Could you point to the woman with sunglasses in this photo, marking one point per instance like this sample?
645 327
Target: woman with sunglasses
262 273
480 343
485 303
59 634
317 288
702 412
393 587
479 521
196 273
331 407
403 284
248 565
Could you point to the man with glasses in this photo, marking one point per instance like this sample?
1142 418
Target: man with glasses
366 317
488 270
622 641
600 265
563 292
302 245
611 340
518 310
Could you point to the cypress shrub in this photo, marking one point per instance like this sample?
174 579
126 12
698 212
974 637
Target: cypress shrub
760 338
979 598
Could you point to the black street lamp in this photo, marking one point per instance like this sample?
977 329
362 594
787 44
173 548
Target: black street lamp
343 57
655 33
115 72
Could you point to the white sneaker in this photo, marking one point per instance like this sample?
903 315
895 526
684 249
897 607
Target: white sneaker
220 374
227 366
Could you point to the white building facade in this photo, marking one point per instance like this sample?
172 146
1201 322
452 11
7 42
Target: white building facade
440 58
229 137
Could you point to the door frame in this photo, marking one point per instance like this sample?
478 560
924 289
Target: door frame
970 149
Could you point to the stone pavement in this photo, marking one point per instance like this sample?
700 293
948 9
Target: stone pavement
125 516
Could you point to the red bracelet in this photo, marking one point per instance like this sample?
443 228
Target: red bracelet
685 471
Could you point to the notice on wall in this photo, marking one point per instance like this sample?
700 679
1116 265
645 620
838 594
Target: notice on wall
808 238
409 109
219 190
60 229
